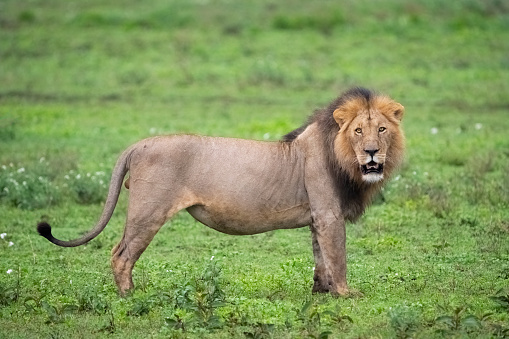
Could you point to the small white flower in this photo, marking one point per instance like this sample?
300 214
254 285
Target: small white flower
11 243
4 167
266 136
414 173
70 282
3 235
42 159
9 271
67 177
314 268
78 176
478 126
434 130
212 258
397 177
153 130
88 175
101 182
24 183
21 170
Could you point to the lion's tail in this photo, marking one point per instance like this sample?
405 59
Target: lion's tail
117 177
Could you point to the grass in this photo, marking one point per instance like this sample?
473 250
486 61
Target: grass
80 81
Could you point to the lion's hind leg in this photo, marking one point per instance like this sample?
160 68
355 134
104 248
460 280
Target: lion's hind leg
143 223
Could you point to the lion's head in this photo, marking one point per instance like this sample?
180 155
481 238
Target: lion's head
362 135
369 143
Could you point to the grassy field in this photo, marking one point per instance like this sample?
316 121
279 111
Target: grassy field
82 80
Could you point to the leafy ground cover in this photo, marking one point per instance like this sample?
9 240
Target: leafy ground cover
81 80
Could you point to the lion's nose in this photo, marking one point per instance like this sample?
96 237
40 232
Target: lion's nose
371 152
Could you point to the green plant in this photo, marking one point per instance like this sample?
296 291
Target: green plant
141 306
340 320
502 298
88 188
27 188
176 322
110 326
90 301
403 321
8 294
57 313
460 320
7 129
311 321
203 296
260 331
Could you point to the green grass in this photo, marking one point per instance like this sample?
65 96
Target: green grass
82 80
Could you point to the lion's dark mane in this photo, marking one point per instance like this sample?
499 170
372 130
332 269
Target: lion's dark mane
354 196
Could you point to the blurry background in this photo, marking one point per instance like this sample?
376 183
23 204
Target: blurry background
82 80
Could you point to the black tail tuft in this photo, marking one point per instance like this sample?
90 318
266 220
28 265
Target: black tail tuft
44 229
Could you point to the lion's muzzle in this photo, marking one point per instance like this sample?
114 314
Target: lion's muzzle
372 168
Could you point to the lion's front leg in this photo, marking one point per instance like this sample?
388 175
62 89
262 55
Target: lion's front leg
321 284
328 233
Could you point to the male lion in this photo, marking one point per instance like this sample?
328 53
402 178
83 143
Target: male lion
321 174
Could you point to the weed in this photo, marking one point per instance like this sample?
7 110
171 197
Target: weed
502 298
90 301
311 321
239 323
27 188
33 302
267 71
202 297
341 321
141 306
57 313
8 294
7 129
459 321
176 322
403 321
110 327
89 188
260 331
323 22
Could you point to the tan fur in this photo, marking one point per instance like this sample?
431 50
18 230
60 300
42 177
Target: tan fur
246 187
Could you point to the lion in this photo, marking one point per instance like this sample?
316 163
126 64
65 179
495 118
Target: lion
320 175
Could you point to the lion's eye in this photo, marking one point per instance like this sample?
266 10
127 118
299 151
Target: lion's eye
358 130
381 129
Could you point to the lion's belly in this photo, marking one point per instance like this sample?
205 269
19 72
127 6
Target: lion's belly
251 221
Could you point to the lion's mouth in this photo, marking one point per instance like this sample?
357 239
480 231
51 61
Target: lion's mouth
372 168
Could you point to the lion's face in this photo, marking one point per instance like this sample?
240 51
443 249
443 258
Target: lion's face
369 144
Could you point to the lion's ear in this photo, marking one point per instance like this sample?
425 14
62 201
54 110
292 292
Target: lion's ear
340 116
399 111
